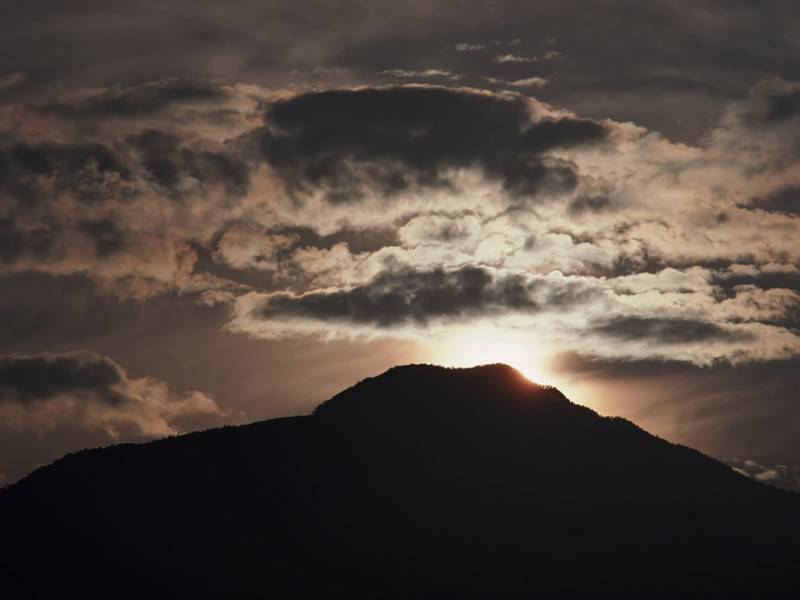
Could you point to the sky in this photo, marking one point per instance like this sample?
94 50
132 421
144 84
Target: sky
220 212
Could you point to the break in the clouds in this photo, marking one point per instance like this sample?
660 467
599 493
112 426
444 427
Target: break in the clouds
417 211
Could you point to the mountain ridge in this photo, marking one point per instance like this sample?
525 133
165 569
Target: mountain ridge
420 482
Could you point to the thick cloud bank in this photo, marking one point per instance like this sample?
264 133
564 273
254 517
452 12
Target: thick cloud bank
417 211
386 140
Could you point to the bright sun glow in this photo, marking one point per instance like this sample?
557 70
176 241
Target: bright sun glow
468 350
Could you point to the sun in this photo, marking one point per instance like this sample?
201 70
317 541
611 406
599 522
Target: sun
478 348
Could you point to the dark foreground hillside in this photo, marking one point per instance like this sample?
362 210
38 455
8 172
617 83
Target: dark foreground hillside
423 482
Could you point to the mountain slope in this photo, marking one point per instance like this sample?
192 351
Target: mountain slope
422 482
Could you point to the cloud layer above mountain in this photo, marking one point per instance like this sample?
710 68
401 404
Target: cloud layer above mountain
479 207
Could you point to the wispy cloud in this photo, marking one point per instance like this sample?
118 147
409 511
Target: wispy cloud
530 82
12 79
466 47
778 475
514 58
425 73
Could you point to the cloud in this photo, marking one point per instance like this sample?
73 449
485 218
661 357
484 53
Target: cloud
783 106
467 47
145 99
745 278
514 58
530 82
410 74
129 264
783 200
96 173
590 203
124 201
234 194
84 167
45 392
349 143
257 42
668 330
408 296
31 378
408 300
248 246
721 409
10 80
53 403
778 475
177 168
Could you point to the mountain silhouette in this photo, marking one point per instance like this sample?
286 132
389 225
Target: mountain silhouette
423 482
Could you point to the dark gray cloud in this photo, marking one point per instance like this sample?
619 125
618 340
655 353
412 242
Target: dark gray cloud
782 107
11 241
357 240
166 159
585 365
92 171
146 99
666 330
783 200
107 235
728 282
38 377
81 168
416 297
396 138
449 231
408 297
590 204
87 389
44 159
16 243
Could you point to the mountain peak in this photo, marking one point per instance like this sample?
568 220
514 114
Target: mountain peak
432 391
422 482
